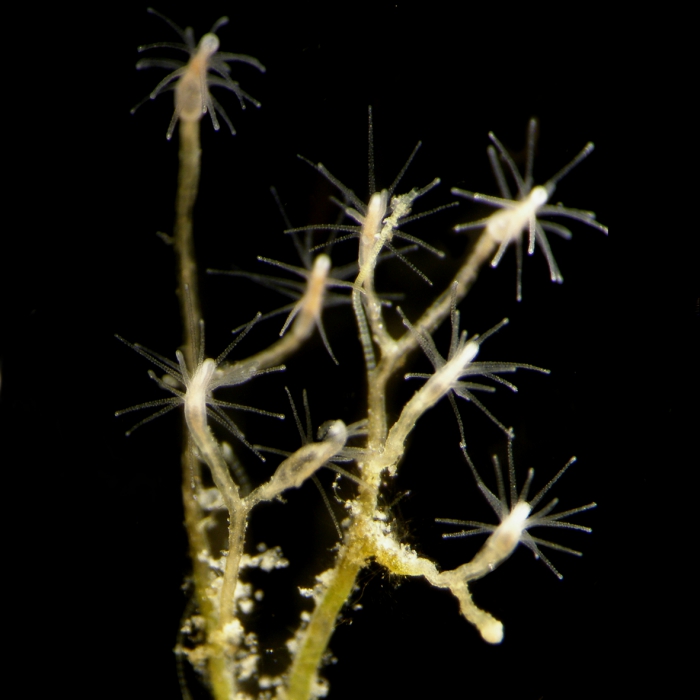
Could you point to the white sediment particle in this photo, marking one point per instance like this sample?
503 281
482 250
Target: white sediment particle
320 688
270 682
213 563
243 598
248 666
233 632
267 560
322 581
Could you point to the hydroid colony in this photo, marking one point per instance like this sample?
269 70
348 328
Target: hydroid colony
219 497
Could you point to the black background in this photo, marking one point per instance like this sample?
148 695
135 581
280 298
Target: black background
91 266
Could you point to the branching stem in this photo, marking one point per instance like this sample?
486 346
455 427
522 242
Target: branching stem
316 636
439 310
220 666
361 542
187 186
